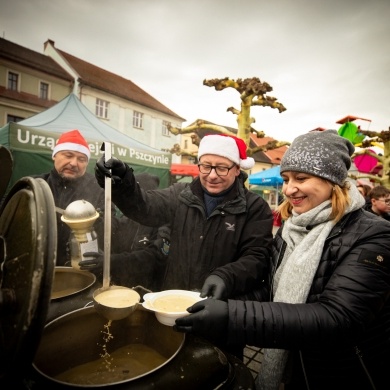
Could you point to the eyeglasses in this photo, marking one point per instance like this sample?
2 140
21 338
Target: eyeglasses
387 201
219 170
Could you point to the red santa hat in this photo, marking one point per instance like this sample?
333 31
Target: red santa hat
72 140
226 146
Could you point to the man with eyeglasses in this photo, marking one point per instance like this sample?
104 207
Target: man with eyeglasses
221 233
379 204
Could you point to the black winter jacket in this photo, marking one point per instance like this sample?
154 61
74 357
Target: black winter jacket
67 191
342 333
234 242
139 255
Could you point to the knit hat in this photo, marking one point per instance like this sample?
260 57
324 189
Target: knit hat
72 140
227 146
320 153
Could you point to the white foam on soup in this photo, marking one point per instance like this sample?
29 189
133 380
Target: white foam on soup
173 303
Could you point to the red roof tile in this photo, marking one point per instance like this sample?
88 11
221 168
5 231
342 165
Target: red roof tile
24 97
351 118
32 59
274 155
104 80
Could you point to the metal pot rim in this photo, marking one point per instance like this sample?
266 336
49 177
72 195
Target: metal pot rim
85 279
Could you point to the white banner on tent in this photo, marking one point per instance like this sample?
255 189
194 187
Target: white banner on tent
33 140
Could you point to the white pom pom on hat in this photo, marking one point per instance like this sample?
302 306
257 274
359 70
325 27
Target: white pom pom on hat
227 146
74 141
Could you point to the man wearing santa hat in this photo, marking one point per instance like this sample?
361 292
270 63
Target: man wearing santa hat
221 232
69 181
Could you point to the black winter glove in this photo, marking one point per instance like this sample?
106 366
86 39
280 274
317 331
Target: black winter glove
209 319
102 170
214 287
94 264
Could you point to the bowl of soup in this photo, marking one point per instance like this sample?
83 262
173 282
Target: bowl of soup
115 302
170 304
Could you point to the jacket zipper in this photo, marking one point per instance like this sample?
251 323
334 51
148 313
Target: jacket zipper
360 356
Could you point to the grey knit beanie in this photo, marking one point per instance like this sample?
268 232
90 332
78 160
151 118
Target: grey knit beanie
320 153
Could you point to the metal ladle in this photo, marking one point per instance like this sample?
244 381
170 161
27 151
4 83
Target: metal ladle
116 306
112 310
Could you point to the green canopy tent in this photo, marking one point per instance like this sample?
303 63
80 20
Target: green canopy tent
31 142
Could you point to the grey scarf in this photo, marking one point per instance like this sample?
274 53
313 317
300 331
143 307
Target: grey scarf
294 277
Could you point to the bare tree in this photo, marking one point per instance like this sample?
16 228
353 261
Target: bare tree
252 93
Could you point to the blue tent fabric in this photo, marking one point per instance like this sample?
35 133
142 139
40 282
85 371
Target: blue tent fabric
269 177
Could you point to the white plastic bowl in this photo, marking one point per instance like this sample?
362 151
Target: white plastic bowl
170 304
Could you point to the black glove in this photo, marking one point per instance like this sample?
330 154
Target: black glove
117 173
209 319
214 287
94 264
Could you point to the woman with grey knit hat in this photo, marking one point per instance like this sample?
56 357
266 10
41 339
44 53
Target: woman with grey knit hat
325 323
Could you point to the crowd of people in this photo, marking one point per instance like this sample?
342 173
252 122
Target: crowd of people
378 201
313 293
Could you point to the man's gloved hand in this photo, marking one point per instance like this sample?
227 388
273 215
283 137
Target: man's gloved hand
94 264
214 287
209 319
102 170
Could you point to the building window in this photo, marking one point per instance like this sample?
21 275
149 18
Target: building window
13 79
186 144
101 108
165 130
14 118
44 90
138 119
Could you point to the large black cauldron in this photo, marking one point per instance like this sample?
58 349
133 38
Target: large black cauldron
190 363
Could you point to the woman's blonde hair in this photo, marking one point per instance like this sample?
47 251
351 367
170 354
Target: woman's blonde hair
340 201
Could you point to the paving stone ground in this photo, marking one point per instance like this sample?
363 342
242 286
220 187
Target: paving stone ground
252 359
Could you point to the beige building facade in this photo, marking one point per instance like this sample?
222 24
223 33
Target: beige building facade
31 82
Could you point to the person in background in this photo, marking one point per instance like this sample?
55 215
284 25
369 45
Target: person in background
138 252
221 232
69 181
364 189
327 323
277 217
379 202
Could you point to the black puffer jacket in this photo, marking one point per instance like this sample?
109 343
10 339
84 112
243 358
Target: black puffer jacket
140 254
139 251
234 242
344 328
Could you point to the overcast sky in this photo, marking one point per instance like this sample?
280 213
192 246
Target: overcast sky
325 59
